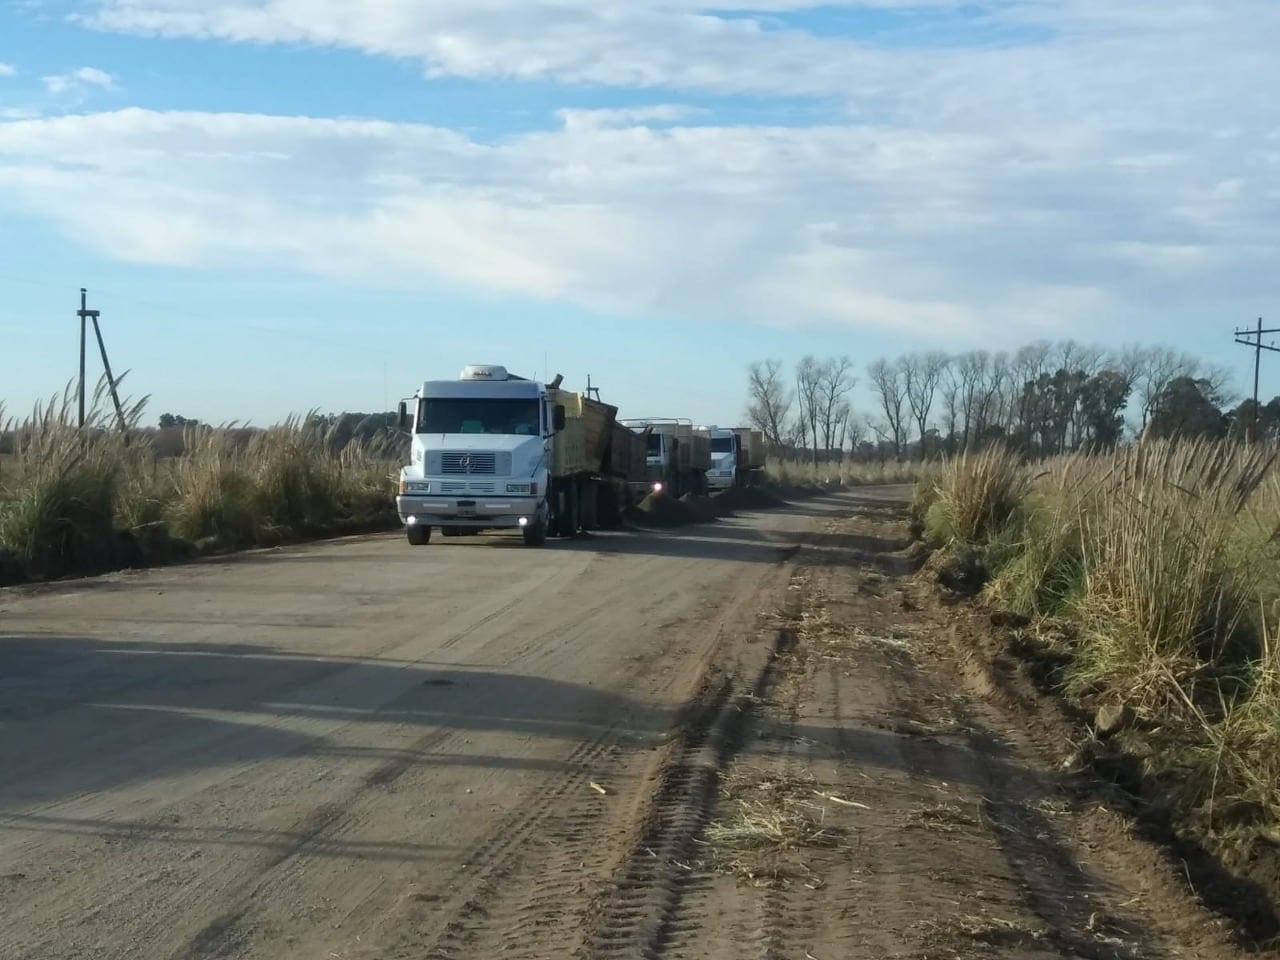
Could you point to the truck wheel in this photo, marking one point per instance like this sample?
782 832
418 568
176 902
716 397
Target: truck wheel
569 515
535 534
589 504
419 536
610 506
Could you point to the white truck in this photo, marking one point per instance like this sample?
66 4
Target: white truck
494 451
725 445
737 457
678 456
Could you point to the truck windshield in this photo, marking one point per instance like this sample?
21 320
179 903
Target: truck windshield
655 444
457 415
722 444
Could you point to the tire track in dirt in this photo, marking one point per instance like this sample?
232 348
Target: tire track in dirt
652 909
445 931
449 930
549 882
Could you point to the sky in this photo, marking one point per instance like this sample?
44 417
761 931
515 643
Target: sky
285 205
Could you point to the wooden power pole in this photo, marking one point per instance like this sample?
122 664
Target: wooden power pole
85 314
1253 338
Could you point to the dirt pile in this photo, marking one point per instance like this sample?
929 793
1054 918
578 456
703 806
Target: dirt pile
660 510
748 498
703 509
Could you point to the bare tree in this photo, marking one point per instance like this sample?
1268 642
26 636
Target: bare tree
1221 382
1075 357
921 374
770 403
887 385
855 430
971 370
809 374
835 380
1154 368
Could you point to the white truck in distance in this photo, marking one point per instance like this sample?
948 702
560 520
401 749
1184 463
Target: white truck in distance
724 459
677 457
737 457
493 451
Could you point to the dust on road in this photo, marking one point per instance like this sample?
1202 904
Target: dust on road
743 739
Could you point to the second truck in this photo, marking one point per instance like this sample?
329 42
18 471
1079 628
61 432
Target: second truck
678 457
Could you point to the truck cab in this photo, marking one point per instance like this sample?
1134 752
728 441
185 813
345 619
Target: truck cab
480 455
726 458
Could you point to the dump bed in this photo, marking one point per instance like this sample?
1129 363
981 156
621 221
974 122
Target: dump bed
700 455
753 447
628 454
583 445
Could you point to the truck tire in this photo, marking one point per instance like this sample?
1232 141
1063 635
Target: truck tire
611 506
589 504
535 534
419 536
569 513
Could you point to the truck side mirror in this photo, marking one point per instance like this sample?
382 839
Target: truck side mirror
557 417
404 415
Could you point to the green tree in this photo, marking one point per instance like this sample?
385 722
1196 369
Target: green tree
1188 407
1103 399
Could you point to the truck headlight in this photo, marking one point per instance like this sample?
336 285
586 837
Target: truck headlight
414 486
518 488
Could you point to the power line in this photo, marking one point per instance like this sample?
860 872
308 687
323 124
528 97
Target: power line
1241 335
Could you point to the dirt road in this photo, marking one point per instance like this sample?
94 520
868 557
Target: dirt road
635 745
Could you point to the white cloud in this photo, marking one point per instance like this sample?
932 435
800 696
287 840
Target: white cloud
1093 164
8 70
943 234
732 46
78 80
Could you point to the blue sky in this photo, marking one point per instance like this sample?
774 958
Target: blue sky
316 204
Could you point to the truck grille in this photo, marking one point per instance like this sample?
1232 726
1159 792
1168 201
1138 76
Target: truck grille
461 486
470 464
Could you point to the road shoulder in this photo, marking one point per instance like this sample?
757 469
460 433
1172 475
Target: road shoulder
871 795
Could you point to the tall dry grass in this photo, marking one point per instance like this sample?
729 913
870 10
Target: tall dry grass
74 501
849 473
1163 559
975 496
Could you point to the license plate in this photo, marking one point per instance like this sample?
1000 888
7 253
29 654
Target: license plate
467 513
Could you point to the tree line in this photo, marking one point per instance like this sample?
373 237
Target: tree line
1045 399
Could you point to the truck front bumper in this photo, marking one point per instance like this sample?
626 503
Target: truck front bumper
716 481
480 511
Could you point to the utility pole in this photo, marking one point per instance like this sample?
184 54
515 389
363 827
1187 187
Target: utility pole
1242 336
84 313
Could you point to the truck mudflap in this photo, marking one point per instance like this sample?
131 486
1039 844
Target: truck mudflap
484 512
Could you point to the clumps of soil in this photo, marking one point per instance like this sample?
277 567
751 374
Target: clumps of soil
659 510
702 509
749 498
663 510
960 570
